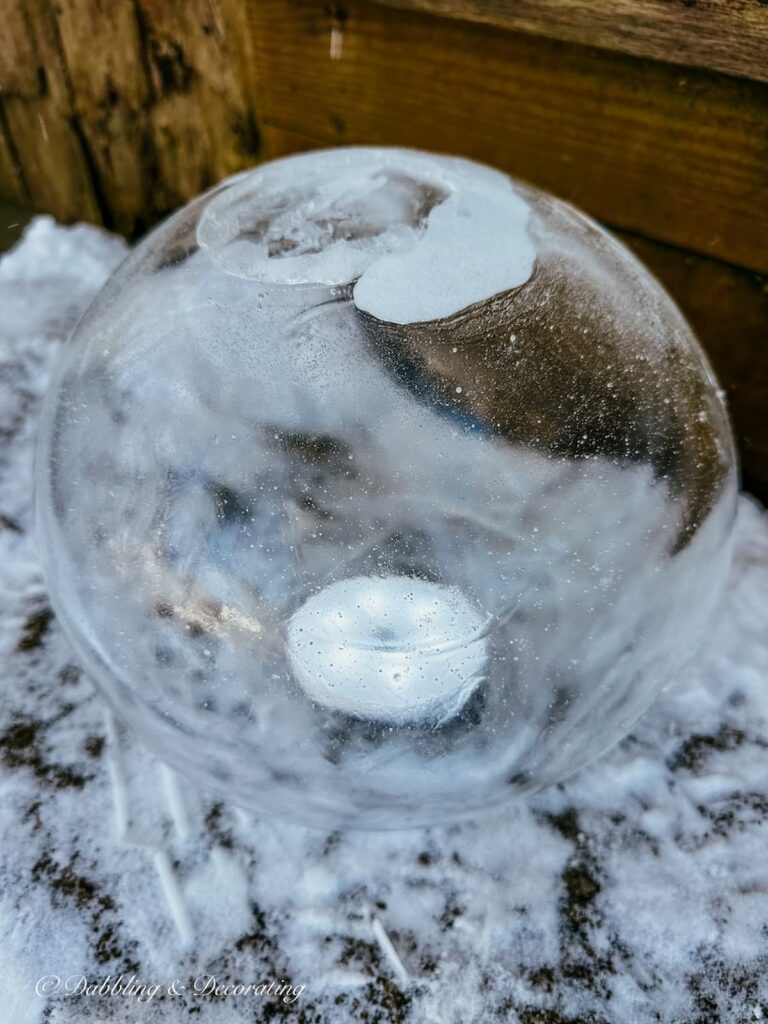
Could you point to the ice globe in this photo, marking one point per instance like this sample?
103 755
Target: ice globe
376 488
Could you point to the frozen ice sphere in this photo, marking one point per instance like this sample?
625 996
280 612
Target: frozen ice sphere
376 488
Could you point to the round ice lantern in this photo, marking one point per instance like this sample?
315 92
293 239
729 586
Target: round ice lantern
376 488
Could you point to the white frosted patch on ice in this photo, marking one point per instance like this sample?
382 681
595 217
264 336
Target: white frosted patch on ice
475 245
423 236
393 648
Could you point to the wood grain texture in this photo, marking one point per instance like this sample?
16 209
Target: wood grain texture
722 35
203 116
37 114
678 156
19 59
101 49
120 112
13 188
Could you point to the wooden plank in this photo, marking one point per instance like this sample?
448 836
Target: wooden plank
203 111
51 154
13 188
723 35
124 111
107 78
726 306
18 59
678 157
41 127
161 94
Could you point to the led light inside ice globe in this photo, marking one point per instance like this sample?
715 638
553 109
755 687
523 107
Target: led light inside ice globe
391 649
376 488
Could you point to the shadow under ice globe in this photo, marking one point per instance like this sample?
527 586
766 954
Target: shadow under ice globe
376 488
